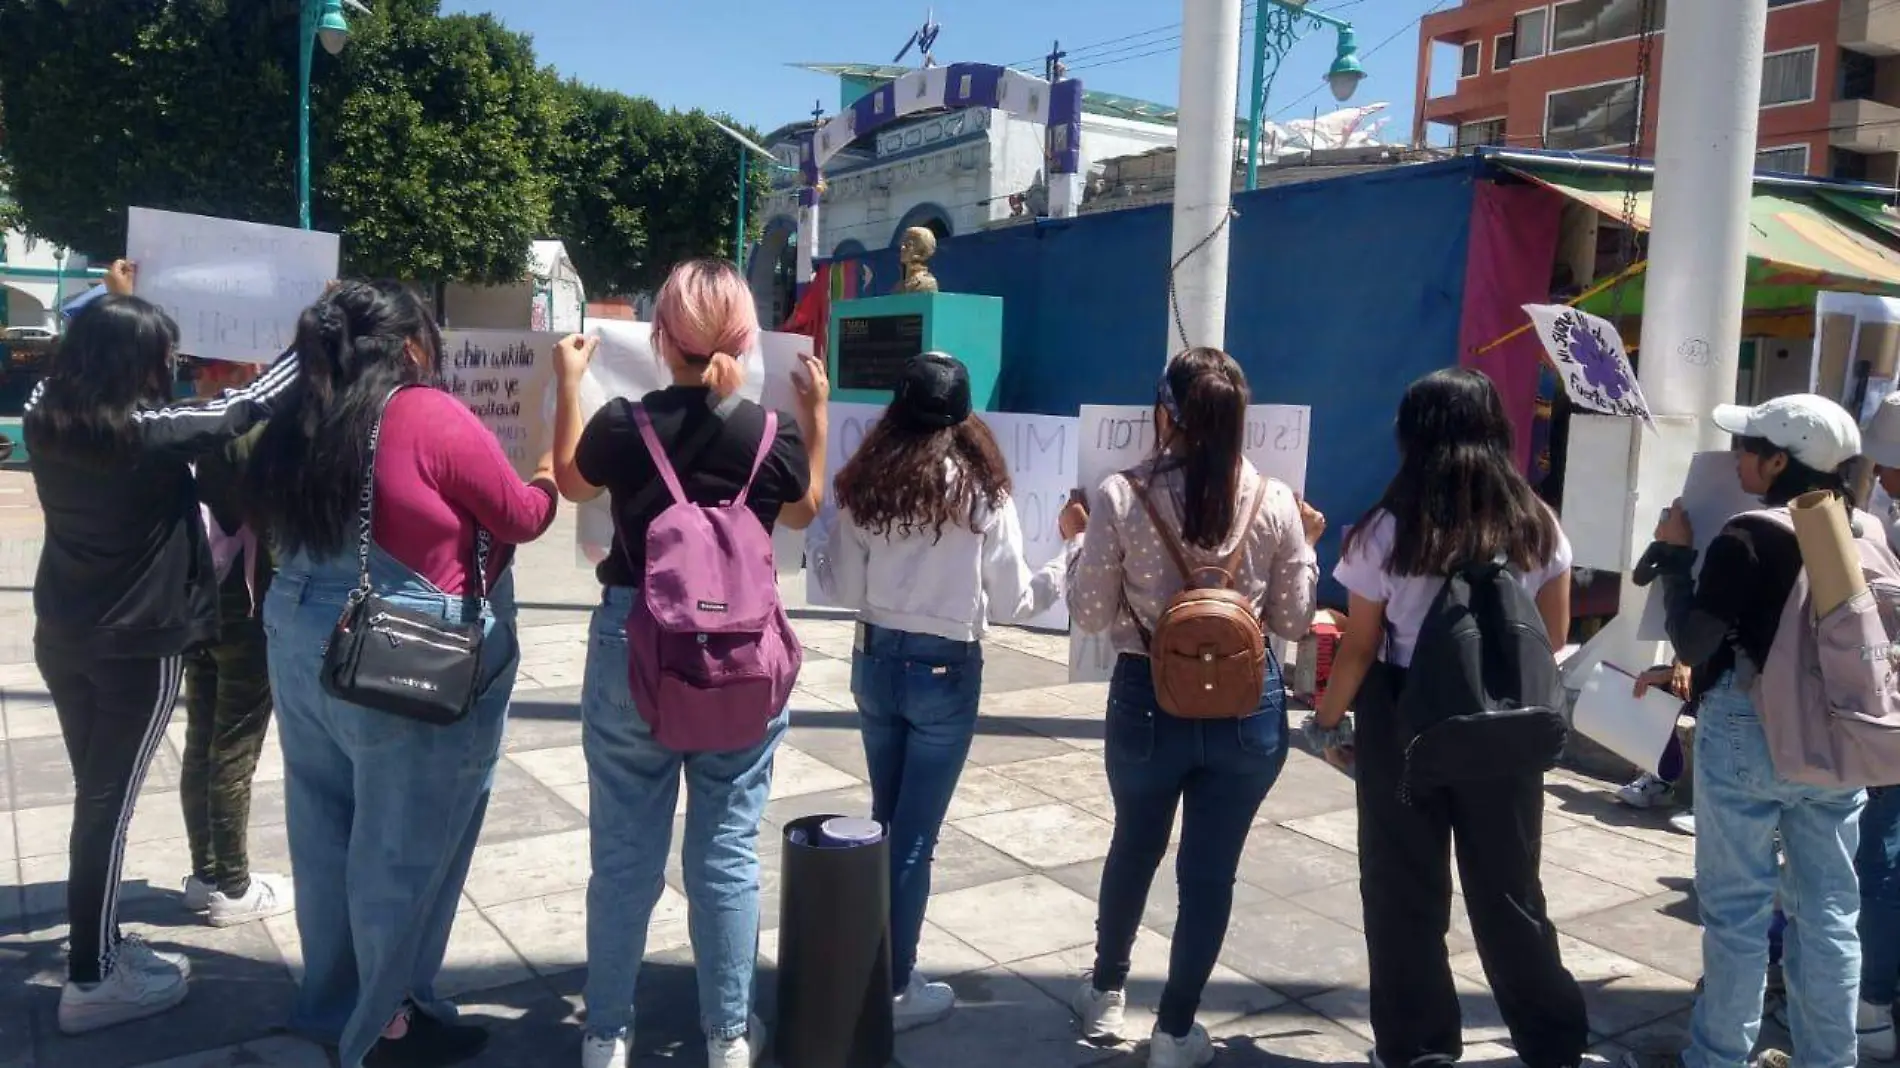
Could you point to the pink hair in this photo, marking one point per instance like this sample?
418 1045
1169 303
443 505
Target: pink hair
704 316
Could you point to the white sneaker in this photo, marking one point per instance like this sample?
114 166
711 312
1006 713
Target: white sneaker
198 894
127 993
1874 1028
608 1051
268 896
922 1003
742 1052
135 952
1102 1012
1192 1051
1683 822
1647 791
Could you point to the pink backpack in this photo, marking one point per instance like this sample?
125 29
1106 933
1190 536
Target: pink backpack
1828 697
711 655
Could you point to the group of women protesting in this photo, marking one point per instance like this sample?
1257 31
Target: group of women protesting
223 539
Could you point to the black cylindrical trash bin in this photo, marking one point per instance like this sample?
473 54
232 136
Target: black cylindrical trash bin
834 951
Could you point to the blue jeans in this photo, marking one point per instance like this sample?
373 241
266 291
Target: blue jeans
917 697
634 787
1217 771
1740 805
1878 864
383 812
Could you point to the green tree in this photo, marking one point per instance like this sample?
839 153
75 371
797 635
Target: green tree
429 141
638 189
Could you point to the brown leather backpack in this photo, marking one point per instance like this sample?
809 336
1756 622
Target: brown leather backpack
1208 651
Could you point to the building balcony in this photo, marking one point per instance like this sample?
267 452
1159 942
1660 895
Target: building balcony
1871 26
1484 97
1864 126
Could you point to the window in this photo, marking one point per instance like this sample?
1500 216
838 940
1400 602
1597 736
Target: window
1859 74
1527 38
1582 23
1483 132
1502 51
1596 116
1790 160
1788 77
1470 59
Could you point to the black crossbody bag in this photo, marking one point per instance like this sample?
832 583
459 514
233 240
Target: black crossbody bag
395 659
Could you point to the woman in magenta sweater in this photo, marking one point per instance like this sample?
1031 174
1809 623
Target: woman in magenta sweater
383 811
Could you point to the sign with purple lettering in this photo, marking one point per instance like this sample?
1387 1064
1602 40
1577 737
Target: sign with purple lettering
235 288
1589 356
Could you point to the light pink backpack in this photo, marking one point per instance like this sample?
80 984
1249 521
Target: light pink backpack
1828 697
711 655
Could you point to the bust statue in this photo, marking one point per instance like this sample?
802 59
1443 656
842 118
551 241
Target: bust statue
914 253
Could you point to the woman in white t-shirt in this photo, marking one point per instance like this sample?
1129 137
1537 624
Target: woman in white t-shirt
1458 497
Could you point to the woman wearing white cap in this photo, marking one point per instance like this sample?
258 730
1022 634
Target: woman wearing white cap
1722 624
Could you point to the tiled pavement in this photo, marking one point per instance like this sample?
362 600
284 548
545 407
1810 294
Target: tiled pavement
1011 920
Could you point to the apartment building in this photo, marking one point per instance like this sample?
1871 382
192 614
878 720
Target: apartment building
1563 76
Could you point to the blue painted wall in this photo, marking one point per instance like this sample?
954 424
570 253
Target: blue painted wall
1341 293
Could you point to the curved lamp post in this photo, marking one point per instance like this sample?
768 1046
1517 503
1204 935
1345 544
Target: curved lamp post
1278 26
322 20
747 147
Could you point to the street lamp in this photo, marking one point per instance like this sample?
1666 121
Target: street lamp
747 147
1277 27
321 20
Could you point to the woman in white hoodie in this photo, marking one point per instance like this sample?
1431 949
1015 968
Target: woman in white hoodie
928 549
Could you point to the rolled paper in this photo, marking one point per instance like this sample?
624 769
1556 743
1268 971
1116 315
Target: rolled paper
1822 528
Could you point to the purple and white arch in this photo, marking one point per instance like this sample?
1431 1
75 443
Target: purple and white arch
1057 106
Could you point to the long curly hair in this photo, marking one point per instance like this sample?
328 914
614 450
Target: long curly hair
904 480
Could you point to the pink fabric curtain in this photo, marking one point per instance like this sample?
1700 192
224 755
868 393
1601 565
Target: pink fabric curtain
1513 245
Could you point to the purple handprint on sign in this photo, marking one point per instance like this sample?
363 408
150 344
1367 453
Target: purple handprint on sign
1598 360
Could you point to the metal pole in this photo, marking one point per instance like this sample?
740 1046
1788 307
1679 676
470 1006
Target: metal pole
1256 113
306 40
1204 173
738 243
59 289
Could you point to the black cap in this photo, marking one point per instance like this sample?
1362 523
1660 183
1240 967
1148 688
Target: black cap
933 393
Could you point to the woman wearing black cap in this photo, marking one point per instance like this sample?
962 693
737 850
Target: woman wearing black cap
928 549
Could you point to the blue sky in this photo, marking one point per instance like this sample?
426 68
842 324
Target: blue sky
732 56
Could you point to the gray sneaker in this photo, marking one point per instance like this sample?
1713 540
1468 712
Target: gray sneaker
127 993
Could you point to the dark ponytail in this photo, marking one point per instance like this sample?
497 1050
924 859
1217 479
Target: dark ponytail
1205 395
353 346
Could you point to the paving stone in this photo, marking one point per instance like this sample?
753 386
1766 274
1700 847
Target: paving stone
1570 894
1337 829
543 719
1343 904
1659 931
1043 836
795 772
46 830
550 932
982 792
1001 1019
559 766
528 868
1614 858
280 1051
1043 917
1290 1036
1227 996
1284 863
1621 994
521 808
1076 777
1290 949
27 718
997 744
1351 1008
962 862
480 957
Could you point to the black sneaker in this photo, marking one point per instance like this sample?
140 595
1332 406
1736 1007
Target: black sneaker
430 1043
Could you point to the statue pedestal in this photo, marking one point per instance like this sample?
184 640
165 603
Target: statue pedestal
872 339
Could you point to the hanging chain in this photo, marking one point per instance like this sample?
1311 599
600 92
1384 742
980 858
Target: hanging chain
1174 303
1631 245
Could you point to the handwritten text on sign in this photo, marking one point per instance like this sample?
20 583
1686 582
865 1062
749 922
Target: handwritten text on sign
1116 437
1040 453
503 376
236 289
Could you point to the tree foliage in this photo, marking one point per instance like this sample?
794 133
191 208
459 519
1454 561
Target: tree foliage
440 149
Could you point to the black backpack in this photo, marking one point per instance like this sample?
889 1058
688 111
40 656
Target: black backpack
1482 699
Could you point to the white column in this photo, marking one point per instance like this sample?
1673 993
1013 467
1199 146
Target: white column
1204 170
1065 195
807 240
1698 261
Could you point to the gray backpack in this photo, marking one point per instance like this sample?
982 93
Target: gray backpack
1829 695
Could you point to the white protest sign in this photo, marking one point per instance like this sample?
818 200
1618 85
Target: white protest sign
1040 453
504 377
1712 494
1116 437
235 288
625 365
1589 356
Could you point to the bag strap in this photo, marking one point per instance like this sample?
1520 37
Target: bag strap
366 515
766 441
658 451
690 456
1228 568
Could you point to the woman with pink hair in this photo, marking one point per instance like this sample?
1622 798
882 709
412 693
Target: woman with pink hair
702 322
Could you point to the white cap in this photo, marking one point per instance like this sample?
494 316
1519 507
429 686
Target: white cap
1880 439
1814 430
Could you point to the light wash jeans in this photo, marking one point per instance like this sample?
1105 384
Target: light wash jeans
383 812
917 697
634 787
1878 863
1740 805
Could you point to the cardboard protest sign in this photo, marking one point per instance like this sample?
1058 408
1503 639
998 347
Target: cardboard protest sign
1116 437
1712 494
1589 357
506 379
1040 453
235 288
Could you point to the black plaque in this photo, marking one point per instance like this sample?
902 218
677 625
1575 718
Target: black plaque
873 349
